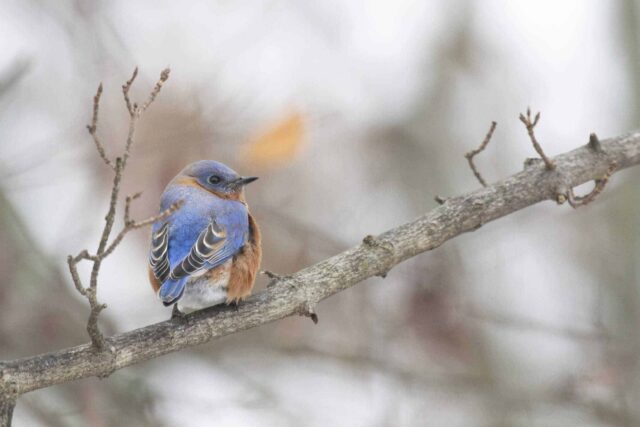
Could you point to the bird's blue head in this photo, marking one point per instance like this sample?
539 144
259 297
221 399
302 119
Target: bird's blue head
217 177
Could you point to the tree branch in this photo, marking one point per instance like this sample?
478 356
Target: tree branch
300 292
104 247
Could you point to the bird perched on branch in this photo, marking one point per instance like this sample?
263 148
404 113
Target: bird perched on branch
208 251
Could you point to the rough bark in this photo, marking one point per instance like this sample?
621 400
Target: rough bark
8 397
300 292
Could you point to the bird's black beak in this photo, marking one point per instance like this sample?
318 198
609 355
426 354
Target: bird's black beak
244 180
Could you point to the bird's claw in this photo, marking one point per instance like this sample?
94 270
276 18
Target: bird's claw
177 314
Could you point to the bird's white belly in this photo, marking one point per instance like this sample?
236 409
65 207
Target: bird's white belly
204 291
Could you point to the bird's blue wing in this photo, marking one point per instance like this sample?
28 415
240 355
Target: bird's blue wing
215 245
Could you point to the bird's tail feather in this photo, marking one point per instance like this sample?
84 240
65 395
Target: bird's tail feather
172 290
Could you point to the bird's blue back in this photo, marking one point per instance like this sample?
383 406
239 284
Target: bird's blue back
198 210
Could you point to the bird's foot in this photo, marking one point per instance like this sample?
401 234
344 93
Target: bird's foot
177 314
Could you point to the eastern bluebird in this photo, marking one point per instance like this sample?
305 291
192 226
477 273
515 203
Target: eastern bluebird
208 251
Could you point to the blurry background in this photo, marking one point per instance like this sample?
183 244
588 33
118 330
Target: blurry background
354 114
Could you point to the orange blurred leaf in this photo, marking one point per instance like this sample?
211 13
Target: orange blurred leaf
276 145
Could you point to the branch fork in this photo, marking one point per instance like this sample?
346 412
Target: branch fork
471 154
563 193
530 123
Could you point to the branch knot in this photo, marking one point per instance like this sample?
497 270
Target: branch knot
387 246
308 309
275 278
594 143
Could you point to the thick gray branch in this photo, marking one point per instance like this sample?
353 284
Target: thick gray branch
299 293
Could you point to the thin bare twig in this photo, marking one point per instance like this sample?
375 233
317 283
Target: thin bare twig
104 247
471 154
579 201
134 114
530 125
131 107
136 111
127 207
93 128
164 75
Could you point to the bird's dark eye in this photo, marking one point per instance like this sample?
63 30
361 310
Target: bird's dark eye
215 179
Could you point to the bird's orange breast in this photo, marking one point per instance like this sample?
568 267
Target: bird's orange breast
245 265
